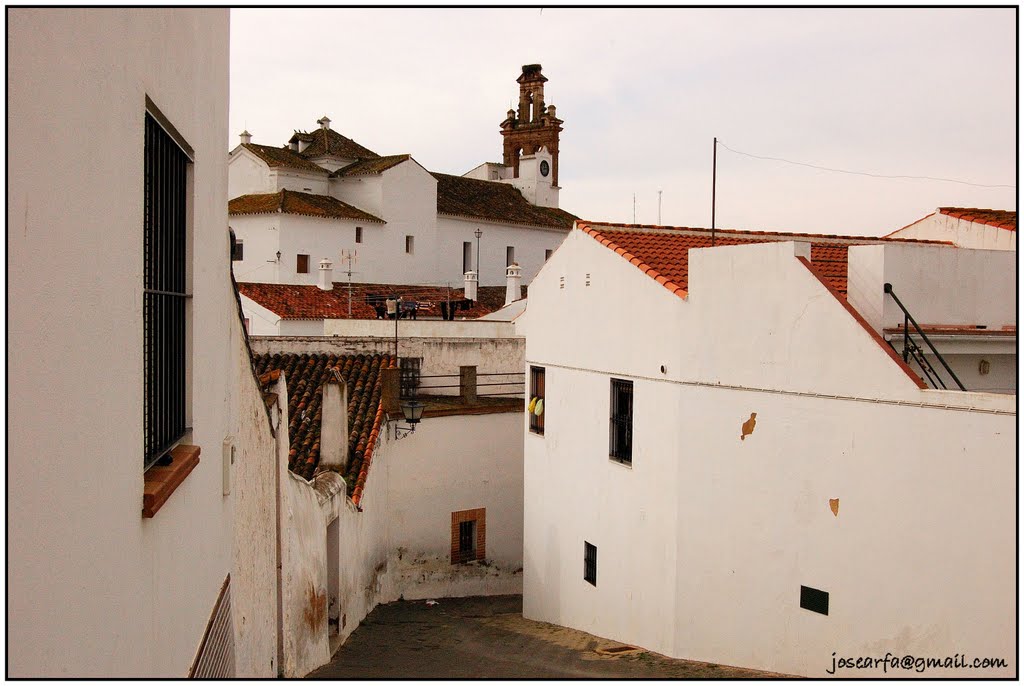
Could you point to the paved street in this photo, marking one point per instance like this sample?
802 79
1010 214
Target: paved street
488 637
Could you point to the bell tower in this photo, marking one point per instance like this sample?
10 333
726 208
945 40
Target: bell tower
533 126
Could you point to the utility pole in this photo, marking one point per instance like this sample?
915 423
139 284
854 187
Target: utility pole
634 208
659 207
714 179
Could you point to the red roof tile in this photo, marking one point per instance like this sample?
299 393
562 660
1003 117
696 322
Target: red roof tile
305 376
294 202
1003 219
292 301
283 157
375 165
330 142
496 201
662 252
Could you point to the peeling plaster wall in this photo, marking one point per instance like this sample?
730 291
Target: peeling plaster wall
703 543
254 491
441 355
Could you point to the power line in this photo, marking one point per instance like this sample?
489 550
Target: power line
859 173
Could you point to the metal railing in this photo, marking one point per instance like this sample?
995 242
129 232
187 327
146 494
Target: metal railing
912 351
512 386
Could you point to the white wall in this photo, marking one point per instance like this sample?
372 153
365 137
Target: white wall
261 239
704 541
470 328
322 237
296 180
120 595
248 174
967 234
253 487
530 243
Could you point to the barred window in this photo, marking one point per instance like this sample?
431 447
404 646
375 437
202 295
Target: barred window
164 291
590 563
409 376
620 442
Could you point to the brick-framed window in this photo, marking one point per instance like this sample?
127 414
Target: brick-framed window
590 563
620 430
469 535
408 244
359 234
536 396
301 264
165 297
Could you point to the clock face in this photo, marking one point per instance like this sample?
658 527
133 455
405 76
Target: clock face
544 168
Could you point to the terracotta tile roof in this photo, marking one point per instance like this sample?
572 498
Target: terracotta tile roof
501 202
282 157
1004 219
291 301
330 142
294 202
371 166
662 252
304 376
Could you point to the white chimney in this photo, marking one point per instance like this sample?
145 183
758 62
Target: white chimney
326 277
334 423
246 137
470 286
512 290
324 123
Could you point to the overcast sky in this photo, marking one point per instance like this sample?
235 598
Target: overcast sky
920 92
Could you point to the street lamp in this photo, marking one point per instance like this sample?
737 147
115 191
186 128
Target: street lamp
478 233
412 410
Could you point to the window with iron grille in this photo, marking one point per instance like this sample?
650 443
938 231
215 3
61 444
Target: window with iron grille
536 396
467 256
164 291
590 563
467 540
302 264
620 443
409 376
237 251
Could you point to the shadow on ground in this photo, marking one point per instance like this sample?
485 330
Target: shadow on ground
488 637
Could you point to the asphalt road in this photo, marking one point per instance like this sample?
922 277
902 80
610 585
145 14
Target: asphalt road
487 637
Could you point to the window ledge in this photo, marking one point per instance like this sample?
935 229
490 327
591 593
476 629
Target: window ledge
161 481
621 463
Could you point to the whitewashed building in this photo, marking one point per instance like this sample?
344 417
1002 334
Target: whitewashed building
324 196
140 457
733 465
966 227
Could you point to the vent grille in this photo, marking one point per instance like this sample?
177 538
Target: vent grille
216 658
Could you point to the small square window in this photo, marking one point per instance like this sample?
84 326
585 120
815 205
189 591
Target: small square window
620 442
547 254
536 406
469 534
236 251
359 234
590 563
302 264
408 244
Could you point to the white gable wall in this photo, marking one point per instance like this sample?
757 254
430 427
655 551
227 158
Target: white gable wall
247 174
745 522
967 234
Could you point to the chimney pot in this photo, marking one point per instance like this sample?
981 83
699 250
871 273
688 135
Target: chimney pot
326 276
513 291
324 122
246 137
470 285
